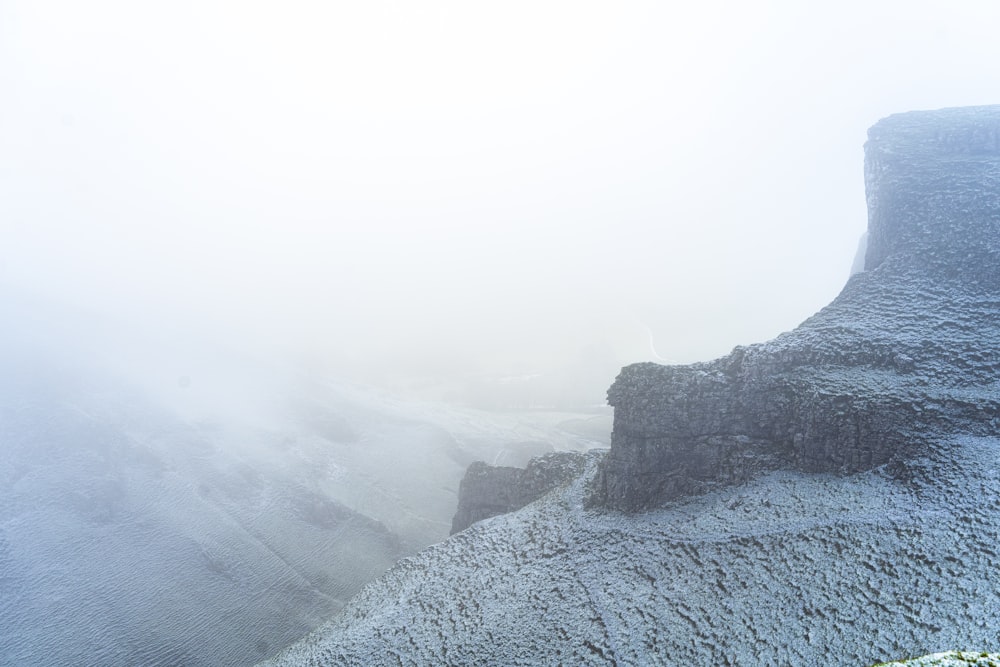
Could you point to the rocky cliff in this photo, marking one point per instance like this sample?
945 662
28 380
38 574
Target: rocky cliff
487 491
773 549
899 359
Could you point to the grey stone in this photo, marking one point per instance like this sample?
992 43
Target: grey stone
487 491
894 363
791 567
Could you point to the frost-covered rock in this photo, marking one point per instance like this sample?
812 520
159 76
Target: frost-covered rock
908 352
487 491
828 498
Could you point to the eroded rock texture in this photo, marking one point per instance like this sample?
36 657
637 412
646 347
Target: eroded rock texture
487 491
790 568
907 353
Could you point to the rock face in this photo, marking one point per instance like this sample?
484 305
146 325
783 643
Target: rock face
896 361
487 491
795 566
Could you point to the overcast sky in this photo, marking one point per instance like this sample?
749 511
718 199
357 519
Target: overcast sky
490 186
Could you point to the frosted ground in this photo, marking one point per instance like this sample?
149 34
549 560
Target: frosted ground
167 509
806 569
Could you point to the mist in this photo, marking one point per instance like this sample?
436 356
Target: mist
447 191
273 275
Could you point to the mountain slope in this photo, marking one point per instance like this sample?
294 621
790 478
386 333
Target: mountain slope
828 497
163 508
788 569
128 536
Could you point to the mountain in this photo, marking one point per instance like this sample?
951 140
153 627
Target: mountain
169 505
904 356
828 497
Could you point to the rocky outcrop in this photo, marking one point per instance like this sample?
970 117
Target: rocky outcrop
487 491
789 568
900 358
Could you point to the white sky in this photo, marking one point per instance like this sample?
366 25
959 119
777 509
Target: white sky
492 186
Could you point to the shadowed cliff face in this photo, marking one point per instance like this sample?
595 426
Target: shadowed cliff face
898 360
487 491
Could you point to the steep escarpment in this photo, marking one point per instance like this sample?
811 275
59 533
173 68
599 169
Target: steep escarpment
827 498
903 356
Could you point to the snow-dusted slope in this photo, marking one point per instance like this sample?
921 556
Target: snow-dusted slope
173 508
792 568
826 498
128 536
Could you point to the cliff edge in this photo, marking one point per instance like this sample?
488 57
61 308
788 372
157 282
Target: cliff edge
898 360
898 376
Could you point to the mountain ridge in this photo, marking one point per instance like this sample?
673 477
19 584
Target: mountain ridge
870 378
827 497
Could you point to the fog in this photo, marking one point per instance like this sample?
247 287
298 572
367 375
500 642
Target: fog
441 191
263 265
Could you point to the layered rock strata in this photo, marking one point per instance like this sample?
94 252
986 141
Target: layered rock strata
898 359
